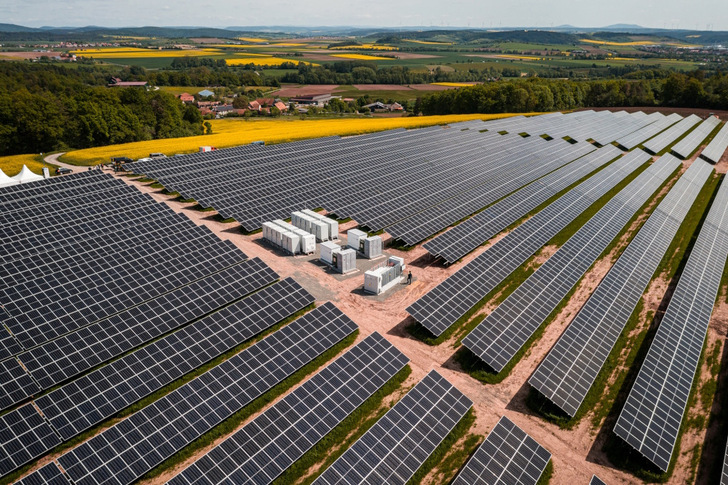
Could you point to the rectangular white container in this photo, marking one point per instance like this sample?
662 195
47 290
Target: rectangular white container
354 238
327 250
308 243
291 242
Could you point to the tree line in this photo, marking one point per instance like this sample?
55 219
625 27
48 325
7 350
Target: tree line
44 108
693 90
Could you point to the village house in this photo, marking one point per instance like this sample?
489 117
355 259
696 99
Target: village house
186 98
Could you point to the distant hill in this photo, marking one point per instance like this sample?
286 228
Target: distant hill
563 34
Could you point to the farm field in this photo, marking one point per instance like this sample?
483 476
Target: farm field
233 132
12 164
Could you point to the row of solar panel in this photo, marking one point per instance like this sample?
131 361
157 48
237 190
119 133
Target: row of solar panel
212 185
465 237
650 419
94 397
570 368
446 303
505 330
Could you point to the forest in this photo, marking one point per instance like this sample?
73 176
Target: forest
694 90
46 107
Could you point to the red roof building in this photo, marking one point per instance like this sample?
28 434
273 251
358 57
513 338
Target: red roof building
186 98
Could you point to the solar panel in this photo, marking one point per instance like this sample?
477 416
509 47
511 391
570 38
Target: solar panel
451 299
667 137
26 436
724 475
262 449
498 338
651 416
126 451
102 393
685 147
508 456
63 358
717 147
595 480
17 385
572 365
465 237
49 474
398 444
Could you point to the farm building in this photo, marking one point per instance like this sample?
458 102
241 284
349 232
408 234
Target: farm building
186 98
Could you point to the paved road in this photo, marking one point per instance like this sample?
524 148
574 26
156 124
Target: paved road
53 159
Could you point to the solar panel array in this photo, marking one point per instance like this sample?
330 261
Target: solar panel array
468 235
636 137
668 137
78 291
49 474
446 303
398 444
685 147
572 365
498 338
379 179
25 436
508 456
126 451
430 221
651 416
717 146
265 447
74 353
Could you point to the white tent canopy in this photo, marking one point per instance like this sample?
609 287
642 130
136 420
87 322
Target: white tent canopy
26 176
6 181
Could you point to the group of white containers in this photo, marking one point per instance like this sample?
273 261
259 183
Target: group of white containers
300 237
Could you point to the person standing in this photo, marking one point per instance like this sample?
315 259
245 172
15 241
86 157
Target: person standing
409 278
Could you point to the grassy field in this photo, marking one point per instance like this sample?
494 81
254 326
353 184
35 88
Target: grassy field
233 132
12 164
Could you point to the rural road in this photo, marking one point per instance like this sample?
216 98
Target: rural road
53 159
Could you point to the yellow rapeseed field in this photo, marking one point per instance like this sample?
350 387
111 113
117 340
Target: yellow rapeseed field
233 132
263 61
373 47
455 85
361 57
525 58
132 52
252 39
12 164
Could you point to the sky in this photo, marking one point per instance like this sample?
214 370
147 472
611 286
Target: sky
698 14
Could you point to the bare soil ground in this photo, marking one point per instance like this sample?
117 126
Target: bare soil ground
289 91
